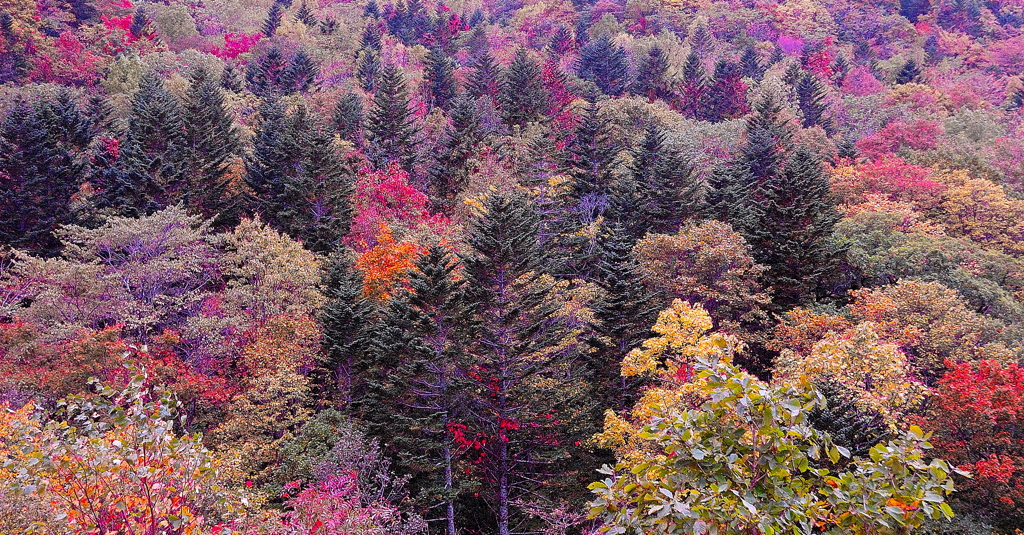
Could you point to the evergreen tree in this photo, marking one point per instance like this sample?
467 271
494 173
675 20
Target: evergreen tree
141 27
371 37
300 73
524 356
348 118
910 72
849 425
592 156
562 41
726 96
604 63
439 77
650 79
329 25
750 64
701 41
669 192
425 339
305 15
810 94
231 79
485 79
13 64
390 127
912 9
273 20
523 97
371 10
346 319
449 172
42 162
789 228
694 86
368 69
266 76
211 141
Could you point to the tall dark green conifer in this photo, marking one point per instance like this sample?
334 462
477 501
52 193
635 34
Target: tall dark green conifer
810 95
266 76
141 27
523 97
13 64
669 192
694 86
300 73
910 72
368 68
348 118
439 77
449 171
346 320
485 79
750 64
726 96
390 127
650 79
604 63
211 141
273 20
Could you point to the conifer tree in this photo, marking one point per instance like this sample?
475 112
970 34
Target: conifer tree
211 141
524 353
305 15
371 37
141 27
390 127
694 86
750 64
701 41
523 97
348 118
669 192
439 77
726 96
485 79
604 63
231 79
266 76
300 73
42 162
591 161
789 228
424 343
372 10
13 64
368 68
449 172
346 319
650 77
910 72
562 41
273 20
810 95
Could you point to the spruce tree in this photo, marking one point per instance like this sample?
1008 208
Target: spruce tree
42 162
346 319
266 76
273 20
348 118
13 64
910 72
702 42
449 171
604 63
141 27
523 97
439 77
300 73
231 79
650 79
694 86
276 154
789 228
726 96
485 79
424 343
390 127
669 192
810 95
368 68
562 41
592 156
371 37
846 421
750 64
305 15
211 142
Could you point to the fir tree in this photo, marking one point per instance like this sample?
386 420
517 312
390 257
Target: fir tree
348 118
425 340
371 37
810 94
266 76
909 73
668 189
849 425
650 79
604 63
371 10
368 68
726 96
701 41
694 86
273 20
750 64
592 156
141 27
305 15
912 9
485 79
523 97
562 41
449 171
329 25
300 74
439 77
231 79
346 320
42 162
390 127
211 141
276 153
13 64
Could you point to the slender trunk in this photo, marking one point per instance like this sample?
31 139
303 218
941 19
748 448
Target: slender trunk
450 506
503 490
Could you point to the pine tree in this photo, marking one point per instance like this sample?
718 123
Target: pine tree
485 79
524 355
726 96
266 76
439 77
701 41
348 118
592 156
810 94
694 86
345 318
276 154
305 15
42 162
449 171
604 63
669 192
211 142
273 20
909 73
523 97
368 68
562 41
424 342
750 64
789 228
371 37
141 27
231 79
390 127
300 73
650 77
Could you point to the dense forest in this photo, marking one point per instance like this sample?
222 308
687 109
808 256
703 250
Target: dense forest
361 267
